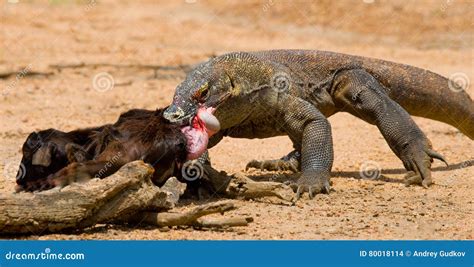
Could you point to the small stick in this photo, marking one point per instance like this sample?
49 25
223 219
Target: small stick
224 222
243 187
193 217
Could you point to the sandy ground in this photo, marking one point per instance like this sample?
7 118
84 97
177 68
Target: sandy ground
437 35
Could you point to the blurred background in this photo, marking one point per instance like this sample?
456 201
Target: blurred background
68 64
173 32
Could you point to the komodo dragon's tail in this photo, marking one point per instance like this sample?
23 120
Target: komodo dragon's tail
426 94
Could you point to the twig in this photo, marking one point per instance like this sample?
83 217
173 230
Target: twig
243 187
193 217
181 67
24 73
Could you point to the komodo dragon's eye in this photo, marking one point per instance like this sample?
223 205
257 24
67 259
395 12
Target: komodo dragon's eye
202 93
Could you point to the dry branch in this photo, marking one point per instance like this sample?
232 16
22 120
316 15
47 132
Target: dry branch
23 73
117 198
59 66
126 196
223 222
55 68
193 217
243 187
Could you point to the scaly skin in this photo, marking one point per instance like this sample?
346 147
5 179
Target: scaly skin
292 92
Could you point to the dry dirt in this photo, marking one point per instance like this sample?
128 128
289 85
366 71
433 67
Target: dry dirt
437 35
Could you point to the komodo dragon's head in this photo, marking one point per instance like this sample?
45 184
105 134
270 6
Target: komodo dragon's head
223 83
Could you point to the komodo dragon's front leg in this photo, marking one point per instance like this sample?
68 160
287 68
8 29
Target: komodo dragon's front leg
310 132
306 124
359 93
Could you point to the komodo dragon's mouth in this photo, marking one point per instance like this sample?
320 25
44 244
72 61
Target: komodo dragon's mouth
203 126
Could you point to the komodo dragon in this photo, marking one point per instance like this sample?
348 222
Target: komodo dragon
292 92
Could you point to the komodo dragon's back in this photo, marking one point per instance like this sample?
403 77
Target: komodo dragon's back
421 92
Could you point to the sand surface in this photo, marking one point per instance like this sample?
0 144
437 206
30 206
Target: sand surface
115 37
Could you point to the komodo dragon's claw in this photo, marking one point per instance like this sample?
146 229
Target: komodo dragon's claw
417 160
436 155
313 182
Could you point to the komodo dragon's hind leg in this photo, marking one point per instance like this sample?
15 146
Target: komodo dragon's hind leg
359 93
290 162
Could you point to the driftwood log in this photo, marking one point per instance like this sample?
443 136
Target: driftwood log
126 196
78 206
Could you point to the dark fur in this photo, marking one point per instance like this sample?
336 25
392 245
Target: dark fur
99 152
49 150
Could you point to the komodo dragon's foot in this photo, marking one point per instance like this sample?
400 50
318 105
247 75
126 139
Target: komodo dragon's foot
313 182
417 157
290 162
